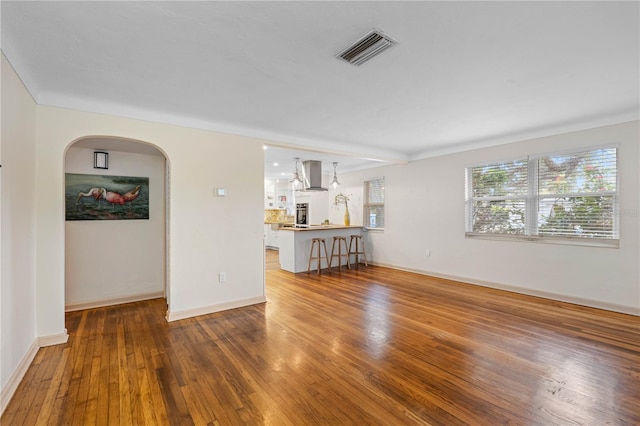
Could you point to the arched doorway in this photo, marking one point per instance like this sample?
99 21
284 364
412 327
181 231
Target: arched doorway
111 254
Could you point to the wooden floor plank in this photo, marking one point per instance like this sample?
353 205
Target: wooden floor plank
368 346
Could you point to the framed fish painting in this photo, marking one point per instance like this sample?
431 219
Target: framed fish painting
97 197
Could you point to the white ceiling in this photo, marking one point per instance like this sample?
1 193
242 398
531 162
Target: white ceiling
463 75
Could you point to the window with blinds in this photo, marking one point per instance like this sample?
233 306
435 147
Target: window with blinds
374 203
556 196
499 198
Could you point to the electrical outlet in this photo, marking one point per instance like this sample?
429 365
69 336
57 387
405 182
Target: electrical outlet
428 253
222 277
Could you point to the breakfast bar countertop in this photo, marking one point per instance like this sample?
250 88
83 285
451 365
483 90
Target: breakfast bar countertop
318 228
294 247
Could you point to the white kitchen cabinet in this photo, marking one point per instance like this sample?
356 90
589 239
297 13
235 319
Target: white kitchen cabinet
271 236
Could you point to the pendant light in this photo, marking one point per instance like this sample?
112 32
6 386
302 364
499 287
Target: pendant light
335 182
296 177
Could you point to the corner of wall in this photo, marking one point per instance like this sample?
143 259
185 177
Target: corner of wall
14 380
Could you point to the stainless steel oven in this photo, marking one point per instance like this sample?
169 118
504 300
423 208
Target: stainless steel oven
302 214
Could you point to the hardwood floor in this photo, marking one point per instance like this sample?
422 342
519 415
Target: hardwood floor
368 346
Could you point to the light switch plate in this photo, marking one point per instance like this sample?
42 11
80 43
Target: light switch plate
220 192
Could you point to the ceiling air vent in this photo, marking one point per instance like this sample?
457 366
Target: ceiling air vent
372 44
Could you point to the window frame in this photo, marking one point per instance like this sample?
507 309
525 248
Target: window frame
366 205
532 206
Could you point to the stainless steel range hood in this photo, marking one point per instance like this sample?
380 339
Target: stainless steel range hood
312 175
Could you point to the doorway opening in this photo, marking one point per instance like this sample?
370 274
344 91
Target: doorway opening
117 239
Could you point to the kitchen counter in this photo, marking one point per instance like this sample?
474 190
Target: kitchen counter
295 246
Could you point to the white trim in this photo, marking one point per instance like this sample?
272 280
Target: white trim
53 339
626 117
630 310
285 139
16 378
189 313
549 239
117 301
374 230
14 381
511 159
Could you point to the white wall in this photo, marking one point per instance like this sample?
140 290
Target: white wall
208 234
354 190
318 202
424 209
17 279
108 260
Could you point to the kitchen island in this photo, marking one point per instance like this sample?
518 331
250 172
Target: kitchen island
295 244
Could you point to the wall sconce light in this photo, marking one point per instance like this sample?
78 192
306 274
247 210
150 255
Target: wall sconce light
100 160
296 176
335 182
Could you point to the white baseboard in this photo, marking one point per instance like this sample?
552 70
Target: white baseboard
14 381
189 313
630 310
53 339
25 363
109 302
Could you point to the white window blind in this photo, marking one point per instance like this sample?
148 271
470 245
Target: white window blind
577 194
499 197
374 203
568 195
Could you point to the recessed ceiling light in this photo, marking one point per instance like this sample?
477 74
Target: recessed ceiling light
265 147
275 164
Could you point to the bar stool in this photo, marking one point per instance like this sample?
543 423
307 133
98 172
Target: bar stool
340 241
357 252
319 243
